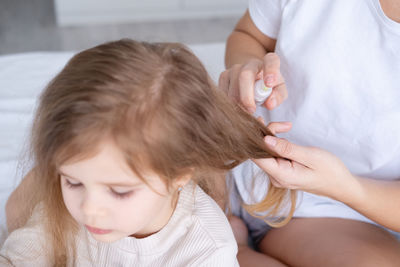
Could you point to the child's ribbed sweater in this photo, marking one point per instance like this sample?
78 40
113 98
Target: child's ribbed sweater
197 234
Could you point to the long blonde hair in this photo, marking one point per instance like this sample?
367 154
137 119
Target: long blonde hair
157 102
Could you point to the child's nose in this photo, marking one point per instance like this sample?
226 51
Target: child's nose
92 207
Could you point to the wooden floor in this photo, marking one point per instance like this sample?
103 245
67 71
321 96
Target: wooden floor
30 26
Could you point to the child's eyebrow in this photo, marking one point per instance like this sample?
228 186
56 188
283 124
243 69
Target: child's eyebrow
107 184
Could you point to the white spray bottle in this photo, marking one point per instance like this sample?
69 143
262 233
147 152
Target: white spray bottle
261 92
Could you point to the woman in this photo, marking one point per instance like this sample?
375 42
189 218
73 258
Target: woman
336 101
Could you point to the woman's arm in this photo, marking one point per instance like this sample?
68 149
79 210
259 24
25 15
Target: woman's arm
27 246
317 171
247 42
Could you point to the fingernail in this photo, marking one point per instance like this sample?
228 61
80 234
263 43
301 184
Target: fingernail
269 80
270 140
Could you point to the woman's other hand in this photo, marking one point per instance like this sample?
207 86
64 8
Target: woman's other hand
238 82
249 56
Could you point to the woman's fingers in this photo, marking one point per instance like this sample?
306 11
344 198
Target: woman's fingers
238 82
275 182
274 79
223 81
271 69
247 77
284 173
278 95
285 149
233 87
279 127
276 168
261 119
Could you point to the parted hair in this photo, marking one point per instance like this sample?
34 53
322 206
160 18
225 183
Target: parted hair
161 109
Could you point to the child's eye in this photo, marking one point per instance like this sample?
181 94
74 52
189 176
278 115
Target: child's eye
121 194
72 185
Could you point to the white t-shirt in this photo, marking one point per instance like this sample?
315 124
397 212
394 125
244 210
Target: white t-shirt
197 234
341 63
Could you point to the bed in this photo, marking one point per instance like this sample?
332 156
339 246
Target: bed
22 78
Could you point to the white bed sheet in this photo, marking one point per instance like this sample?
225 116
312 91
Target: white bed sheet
22 78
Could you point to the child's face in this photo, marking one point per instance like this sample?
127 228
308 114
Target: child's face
104 195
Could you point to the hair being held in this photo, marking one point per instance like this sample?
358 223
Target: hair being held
158 105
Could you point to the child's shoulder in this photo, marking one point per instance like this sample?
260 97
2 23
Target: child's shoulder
210 219
26 244
209 233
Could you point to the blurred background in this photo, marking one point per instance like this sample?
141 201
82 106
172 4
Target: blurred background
70 25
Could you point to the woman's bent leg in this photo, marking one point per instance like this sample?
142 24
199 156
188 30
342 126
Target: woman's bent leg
247 256
331 242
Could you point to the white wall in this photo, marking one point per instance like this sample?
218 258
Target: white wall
78 12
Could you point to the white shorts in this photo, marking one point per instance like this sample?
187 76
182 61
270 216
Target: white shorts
244 179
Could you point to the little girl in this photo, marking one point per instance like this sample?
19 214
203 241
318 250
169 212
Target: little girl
123 137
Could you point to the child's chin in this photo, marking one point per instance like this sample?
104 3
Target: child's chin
107 238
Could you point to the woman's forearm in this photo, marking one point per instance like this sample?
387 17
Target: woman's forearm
241 47
376 199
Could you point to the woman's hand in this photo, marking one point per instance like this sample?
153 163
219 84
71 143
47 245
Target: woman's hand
307 168
238 82
320 172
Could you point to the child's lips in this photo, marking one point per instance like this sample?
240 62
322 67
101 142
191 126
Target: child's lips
97 231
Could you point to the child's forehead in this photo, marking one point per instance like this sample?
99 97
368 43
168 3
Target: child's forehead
107 162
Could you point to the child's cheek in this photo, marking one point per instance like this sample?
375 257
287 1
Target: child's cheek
72 203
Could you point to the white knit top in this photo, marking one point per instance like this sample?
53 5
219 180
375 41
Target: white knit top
197 234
